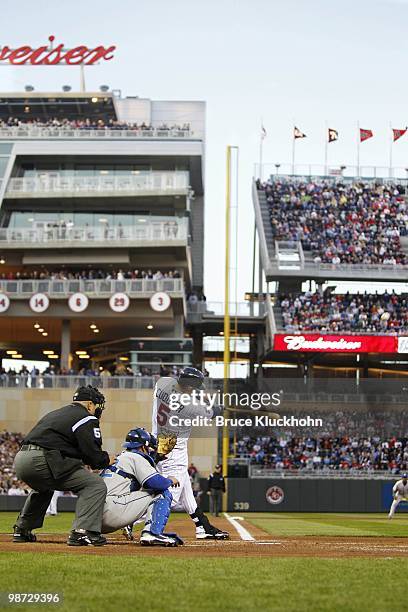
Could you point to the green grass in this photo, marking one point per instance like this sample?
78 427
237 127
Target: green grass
195 585
250 584
330 524
62 523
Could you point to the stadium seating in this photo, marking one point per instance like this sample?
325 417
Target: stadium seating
9 445
89 274
341 453
87 124
340 222
386 313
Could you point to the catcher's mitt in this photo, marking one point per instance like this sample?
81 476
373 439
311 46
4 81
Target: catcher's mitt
165 443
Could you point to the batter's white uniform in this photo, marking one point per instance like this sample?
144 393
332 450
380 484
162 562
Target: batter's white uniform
52 508
177 461
124 505
400 493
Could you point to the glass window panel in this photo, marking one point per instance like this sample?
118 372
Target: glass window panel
3 165
5 148
124 220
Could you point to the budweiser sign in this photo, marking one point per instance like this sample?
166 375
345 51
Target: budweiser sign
54 55
328 343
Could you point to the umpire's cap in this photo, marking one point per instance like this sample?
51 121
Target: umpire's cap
89 394
191 377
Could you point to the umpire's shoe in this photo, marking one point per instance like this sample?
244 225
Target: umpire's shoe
81 537
211 533
23 535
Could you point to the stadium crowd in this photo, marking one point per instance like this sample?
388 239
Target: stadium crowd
89 274
367 312
89 124
355 441
339 453
24 377
339 222
9 445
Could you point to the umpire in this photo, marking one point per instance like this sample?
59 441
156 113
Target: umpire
52 457
216 487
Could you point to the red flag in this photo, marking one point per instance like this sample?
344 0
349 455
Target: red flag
365 135
398 133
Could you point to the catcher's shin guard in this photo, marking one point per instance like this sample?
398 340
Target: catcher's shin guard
160 513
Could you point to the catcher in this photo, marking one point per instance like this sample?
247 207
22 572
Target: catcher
160 448
399 493
135 488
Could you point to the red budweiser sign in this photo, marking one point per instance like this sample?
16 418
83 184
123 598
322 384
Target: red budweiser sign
327 343
52 56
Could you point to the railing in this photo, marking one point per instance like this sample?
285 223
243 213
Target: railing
95 288
47 381
242 309
341 332
318 473
346 271
55 133
173 229
48 185
331 171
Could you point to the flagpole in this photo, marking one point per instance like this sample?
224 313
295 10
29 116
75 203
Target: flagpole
261 151
358 148
391 143
326 150
293 150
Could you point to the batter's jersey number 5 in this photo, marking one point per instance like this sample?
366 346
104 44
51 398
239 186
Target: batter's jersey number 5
162 414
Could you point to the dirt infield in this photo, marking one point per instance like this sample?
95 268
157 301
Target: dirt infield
263 546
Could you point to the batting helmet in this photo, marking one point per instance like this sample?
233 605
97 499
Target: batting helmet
191 377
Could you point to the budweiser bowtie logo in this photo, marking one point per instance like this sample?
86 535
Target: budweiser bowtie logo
52 56
298 343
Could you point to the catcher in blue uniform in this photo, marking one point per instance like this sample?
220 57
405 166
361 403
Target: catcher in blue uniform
135 488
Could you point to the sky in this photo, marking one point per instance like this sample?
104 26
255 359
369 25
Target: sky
313 63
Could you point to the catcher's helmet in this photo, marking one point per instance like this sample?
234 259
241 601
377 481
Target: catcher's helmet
191 377
405 476
137 438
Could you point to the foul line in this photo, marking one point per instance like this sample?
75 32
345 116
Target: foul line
242 532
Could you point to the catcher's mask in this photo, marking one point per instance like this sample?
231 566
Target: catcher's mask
139 437
191 377
91 394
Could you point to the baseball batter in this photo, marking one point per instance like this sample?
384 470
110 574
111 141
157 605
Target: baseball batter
399 493
176 463
135 488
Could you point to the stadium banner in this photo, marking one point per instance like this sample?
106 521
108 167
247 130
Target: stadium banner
328 343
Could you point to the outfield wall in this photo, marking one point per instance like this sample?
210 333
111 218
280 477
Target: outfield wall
310 495
20 409
306 495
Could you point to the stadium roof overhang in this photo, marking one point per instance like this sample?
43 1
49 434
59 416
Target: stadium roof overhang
46 106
